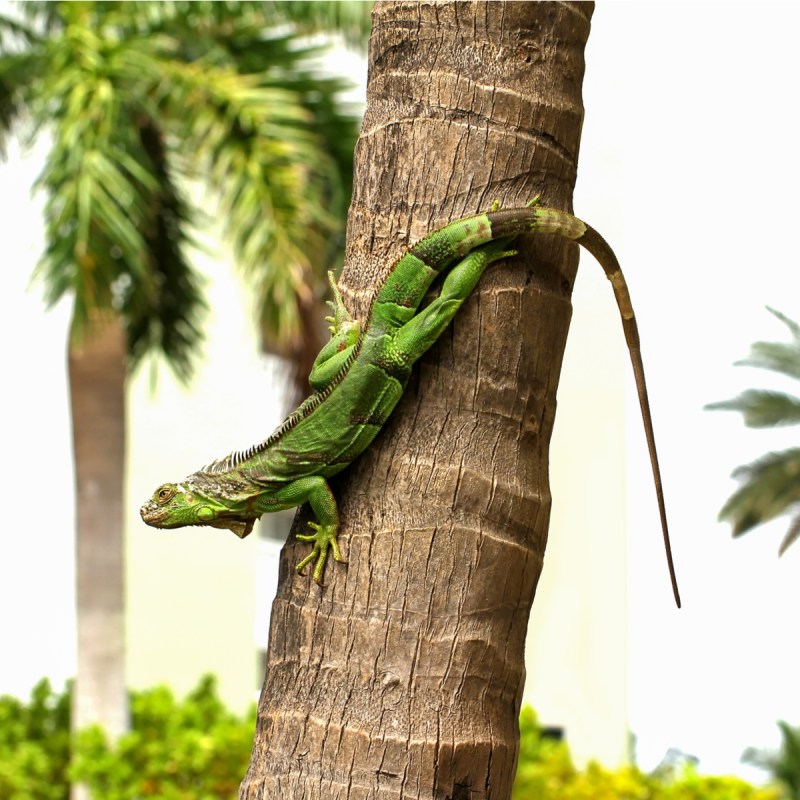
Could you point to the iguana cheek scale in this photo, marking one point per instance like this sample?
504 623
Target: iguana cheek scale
359 376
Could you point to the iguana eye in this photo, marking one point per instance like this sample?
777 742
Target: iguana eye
164 493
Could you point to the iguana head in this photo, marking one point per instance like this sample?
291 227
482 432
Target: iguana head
177 505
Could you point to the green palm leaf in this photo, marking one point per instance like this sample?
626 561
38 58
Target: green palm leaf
762 408
770 486
18 71
230 102
784 765
351 19
791 536
777 356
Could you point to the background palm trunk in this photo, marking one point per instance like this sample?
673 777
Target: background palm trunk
97 395
403 677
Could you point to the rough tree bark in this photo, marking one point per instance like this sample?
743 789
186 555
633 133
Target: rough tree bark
402 678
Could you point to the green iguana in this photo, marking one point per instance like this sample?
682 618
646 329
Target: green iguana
359 376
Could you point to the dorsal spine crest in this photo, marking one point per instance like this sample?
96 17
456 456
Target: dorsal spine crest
237 458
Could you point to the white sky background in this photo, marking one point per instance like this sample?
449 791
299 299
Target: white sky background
690 167
691 131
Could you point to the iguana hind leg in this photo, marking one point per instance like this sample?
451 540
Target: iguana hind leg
420 332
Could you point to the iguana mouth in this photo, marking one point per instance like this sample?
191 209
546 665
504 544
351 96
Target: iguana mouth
153 515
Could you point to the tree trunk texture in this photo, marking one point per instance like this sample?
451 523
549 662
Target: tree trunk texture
97 371
403 677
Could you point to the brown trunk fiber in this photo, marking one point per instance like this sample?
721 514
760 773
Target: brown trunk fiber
402 678
97 393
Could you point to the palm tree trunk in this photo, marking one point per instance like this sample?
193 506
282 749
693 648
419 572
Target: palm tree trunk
97 394
403 677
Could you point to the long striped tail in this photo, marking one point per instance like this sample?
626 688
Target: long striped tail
560 223
409 280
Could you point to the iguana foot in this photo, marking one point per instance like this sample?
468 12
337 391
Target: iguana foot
340 317
324 538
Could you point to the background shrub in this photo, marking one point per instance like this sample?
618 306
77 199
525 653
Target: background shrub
34 745
546 772
195 749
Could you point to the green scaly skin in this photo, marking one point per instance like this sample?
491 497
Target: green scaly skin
359 377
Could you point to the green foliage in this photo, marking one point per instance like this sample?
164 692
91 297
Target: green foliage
139 98
543 762
784 765
193 749
770 486
546 772
351 19
34 746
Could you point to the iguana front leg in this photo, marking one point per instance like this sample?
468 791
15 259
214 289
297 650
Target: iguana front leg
345 332
315 491
411 341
